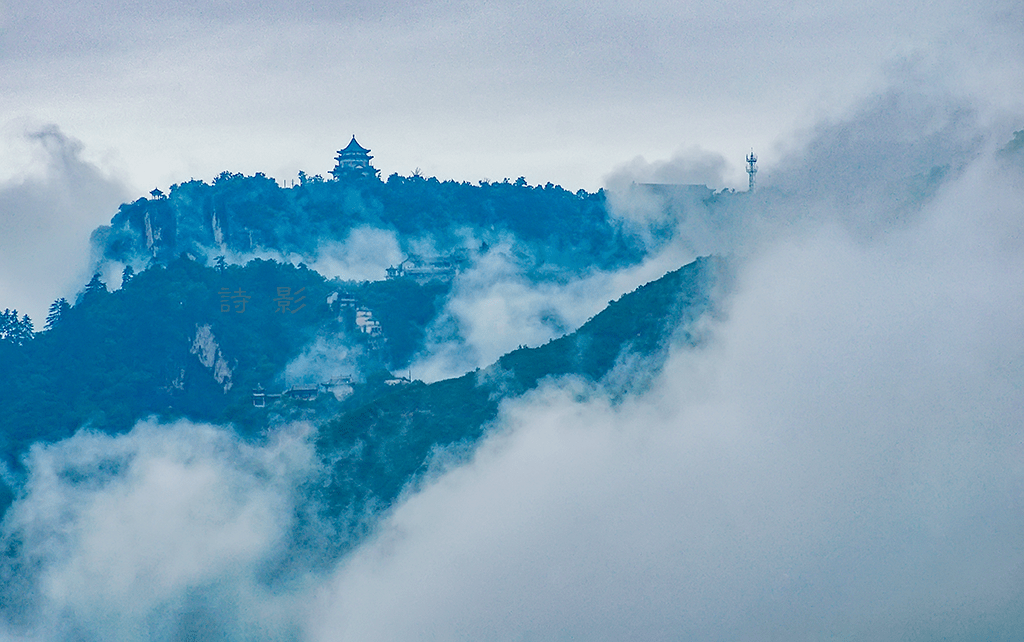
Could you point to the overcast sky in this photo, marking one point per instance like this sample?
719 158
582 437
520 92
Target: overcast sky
145 94
842 460
159 92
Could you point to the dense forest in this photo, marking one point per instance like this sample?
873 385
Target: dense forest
193 332
237 213
117 357
114 357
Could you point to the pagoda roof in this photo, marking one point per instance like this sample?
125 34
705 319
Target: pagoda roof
353 146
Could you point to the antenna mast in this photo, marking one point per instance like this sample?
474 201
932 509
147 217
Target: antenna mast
751 169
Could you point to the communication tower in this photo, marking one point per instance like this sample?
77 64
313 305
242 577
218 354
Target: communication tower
751 169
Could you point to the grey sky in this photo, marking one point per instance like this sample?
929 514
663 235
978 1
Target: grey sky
555 91
841 459
161 92
47 212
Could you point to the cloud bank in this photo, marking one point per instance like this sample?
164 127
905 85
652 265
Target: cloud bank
51 198
841 461
169 532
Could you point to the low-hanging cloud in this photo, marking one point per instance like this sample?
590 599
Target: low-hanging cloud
496 305
841 461
169 532
870 172
50 201
364 255
693 166
653 199
326 357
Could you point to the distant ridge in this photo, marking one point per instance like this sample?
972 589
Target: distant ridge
383 443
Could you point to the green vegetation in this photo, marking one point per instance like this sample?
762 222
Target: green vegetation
404 309
14 331
116 357
180 339
244 213
185 340
380 443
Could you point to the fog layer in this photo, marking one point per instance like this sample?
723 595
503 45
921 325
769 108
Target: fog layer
50 200
841 459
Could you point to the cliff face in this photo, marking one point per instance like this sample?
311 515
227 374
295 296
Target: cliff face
189 340
241 214
205 347
140 232
196 217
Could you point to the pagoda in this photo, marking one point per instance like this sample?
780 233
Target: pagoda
353 160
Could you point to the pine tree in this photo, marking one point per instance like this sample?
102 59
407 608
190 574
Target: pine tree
14 330
57 311
26 330
127 275
93 289
95 284
7 320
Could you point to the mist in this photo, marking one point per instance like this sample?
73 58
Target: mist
51 198
325 358
364 255
498 304
841 458
168 532
692 166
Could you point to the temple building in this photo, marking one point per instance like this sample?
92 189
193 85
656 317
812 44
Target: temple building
425 269
353 160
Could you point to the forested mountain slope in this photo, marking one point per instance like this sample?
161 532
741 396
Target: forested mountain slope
187 340
251 214
378 447
191 341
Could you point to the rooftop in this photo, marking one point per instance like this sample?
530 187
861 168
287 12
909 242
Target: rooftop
354 147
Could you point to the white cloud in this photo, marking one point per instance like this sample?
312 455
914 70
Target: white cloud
364 255
51 198
496 306
693 166
166 532
325 358
843 460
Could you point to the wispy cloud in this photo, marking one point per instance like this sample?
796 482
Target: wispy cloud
499 304
51 198
364 255
841 460
693 166
164 533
